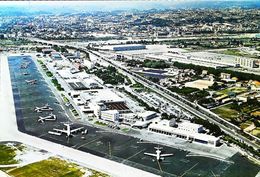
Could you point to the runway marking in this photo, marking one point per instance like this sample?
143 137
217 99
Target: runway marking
87 143
134 155
213 173
43 135
109 148
189 169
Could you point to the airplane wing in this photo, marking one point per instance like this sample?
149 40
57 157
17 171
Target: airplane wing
166 155
77 129
60 130
153 155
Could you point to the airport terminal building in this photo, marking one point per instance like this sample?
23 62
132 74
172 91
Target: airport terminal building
186 130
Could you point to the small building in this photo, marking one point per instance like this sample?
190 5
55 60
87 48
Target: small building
147 115
110 115
47 51
225 76
56 56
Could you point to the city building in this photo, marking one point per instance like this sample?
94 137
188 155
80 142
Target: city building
129 47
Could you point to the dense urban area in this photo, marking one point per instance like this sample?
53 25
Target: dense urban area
187 80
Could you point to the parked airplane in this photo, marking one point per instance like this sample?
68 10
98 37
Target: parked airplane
32 82
158 154
25 73
50 117
68 131
25 65
46 107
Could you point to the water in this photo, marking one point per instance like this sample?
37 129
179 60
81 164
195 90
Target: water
120 148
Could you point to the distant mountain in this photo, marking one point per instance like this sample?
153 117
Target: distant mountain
35 8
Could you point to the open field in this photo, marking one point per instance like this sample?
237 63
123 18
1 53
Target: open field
245 124
226 112
236 90
54 167
237 52
7 154
199 84
256 132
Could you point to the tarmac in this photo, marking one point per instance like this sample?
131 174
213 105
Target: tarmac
9 132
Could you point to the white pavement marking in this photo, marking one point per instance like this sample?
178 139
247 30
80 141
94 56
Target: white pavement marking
9 132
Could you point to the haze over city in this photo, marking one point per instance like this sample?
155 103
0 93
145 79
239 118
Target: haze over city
130 88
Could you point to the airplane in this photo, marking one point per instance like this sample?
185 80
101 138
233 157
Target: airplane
50 117
25 65
158 154
32 82
68 131
46 107
25 73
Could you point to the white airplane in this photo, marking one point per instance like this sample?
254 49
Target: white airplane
32 82
46 107
158 154
68 131
25 73
50 117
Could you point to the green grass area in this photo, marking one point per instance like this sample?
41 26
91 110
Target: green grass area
110 75
40 62
49 74
184 90
100 123
226 112
125 130
236 90
65 99
52 167
7 154
57 85
13 42
256 132
75 113
245 124
137 85
237 52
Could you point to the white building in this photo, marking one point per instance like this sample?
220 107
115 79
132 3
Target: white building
191 127
163 127
89 64
147 115
110 115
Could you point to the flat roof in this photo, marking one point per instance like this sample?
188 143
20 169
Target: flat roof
173 130
190 125
146 113
99 95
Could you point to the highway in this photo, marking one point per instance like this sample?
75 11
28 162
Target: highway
190 107
182 103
